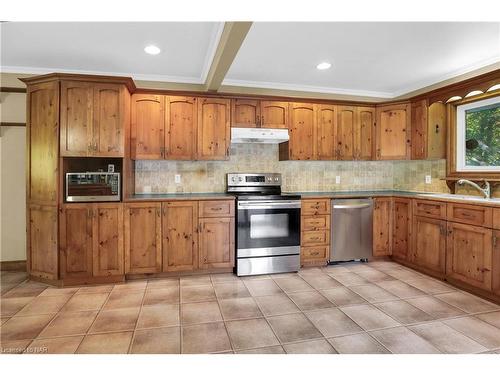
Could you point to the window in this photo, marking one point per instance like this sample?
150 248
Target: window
478 136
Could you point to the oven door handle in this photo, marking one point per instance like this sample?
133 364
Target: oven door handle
268 205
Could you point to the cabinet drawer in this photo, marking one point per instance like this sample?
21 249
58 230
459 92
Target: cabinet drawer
315 206
315 222
216 208
316 237
314 252
470 214
429 209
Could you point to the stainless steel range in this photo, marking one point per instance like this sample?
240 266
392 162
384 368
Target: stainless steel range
267 224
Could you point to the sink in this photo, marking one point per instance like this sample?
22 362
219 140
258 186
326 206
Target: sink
460 197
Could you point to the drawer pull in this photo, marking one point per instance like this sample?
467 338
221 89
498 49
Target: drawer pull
216 208
315 253
465 214
315 238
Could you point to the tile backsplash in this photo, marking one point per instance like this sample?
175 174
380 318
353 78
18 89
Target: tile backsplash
209 176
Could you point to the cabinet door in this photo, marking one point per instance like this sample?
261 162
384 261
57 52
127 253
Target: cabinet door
419 130
469 255
216 242
401 232
495 266
76 240
108 123
180 236
107 229
393 132
274 114
325 132
42 242
365 127
180 122
245 113
143 238
76 118
302 124
213 129
382 217
345 132
147 126
436 131
429 244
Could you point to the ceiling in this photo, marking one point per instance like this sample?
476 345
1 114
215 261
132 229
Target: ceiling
383 60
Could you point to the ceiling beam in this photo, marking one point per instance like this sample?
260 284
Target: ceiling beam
232 38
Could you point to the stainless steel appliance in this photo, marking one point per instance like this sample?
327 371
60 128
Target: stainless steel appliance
267 224
92 187
351 229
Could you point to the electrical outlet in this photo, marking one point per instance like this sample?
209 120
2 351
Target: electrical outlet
177 178
428 179
337 179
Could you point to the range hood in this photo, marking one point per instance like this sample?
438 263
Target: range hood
259 135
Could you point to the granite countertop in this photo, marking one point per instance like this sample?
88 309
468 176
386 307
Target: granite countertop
178 196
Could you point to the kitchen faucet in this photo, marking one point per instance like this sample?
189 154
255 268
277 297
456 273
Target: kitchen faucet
486 191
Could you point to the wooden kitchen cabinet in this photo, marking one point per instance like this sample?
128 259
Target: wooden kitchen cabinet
495 262
324 138
428 250
302 123
469 255
274 114
354 133
42 241
180 128
393 132
470 214
401 229
428 130
364 139
382 218
180 236
143 251
315 232
245 113
214 131
216 241
345 132
147 126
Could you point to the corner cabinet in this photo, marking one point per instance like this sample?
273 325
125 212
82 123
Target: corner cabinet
393 132
428 126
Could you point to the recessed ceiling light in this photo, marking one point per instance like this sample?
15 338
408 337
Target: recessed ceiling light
152 49
323 66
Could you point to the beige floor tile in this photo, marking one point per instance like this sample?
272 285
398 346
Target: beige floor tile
401 340
262 287
199 293
492 318
350 278
320 346
95 289
24 327
200 312
86 301
221 278
333 322
13 347
27 289
343 296
336 270
482 332
106 343
55 345
373 293
310 271
283 275
400 288
119 299
167 294
13 277
44 305
435 307
321 281
268 350
293 284
384 265
369 317
239 308
3 320
361 343
357 267
277 304
310 300
195 280
115 320
163 283
157 341
404 274
446 339
403 312
253 333
293 327
205 338
231 290
69 323
131 285
10 306
58 291
375 276
467 302
160 315
429 285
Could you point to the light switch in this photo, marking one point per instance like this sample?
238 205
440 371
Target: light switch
337 179
177 178
428 179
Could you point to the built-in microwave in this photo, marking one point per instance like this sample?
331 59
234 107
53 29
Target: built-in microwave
93 187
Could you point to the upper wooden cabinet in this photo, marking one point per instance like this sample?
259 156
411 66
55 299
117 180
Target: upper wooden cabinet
393 132
245 113
92 119
214 131
364 139
148 126
324 139
428 126
181 123
274 114
354 133
382 234
302 125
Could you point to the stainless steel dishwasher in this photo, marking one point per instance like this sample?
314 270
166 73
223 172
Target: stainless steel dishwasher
351 229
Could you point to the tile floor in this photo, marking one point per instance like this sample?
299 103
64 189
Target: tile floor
379 307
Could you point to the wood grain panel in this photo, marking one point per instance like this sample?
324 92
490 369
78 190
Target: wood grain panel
345 132
470 214
429 244
364 142
245 113
429 208
401 232
393 132
218 208
325 132
147 126
216 242
108 239
315 206
181 126
382 234
108 123
43 241
214 131
274 114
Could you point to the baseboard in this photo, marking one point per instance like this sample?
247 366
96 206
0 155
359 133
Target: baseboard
13 265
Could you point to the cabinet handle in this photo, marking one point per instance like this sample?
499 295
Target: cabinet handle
494 241
158 212
257 121
315 253
261 120
216 208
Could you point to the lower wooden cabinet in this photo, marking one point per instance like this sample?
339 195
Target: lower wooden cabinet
42 241
495 262
107 233
428 250
216 241
315 232
469 255
401 231
382 217
142 222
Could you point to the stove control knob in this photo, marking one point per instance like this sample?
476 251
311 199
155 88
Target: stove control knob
276 179
233 179
240 179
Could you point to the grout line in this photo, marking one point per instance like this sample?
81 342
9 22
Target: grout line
137 321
